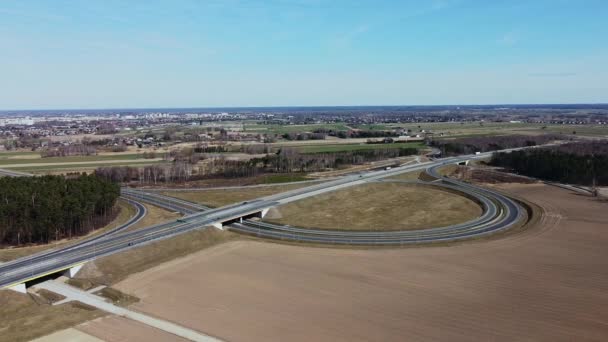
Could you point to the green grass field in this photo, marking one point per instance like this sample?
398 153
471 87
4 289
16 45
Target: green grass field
472 129
374 127
584 130
355 147
9 153
14 158
447 128
78 167
281 129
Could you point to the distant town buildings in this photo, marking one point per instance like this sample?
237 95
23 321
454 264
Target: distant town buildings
23 121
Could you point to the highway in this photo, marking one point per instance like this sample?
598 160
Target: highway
499 213
10 173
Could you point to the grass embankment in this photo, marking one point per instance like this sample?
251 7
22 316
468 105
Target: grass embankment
154 215
126 212
27 316
114 268
379 206
408 176
218 198
284 178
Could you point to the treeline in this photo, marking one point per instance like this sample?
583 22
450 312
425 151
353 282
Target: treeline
210 149
487 144
304 136
177 172
290 160
287 160
582 164
70 150
355 133
41 209
244 148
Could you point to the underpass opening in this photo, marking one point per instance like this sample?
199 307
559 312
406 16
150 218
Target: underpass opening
257 215
240 219
52 276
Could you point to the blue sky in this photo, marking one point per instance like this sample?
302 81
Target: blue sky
120 54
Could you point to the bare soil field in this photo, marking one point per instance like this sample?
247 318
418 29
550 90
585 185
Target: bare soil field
379 206
119 329
69 335
549 283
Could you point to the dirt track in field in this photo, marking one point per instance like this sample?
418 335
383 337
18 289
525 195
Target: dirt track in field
548 283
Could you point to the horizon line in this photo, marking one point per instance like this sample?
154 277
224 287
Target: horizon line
307 106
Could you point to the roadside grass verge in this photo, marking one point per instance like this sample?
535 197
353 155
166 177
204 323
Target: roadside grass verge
408 176
114 268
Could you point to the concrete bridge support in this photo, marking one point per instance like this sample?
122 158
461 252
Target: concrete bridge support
19 288
71 272
263 212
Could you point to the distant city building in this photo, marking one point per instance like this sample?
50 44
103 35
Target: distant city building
25 121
